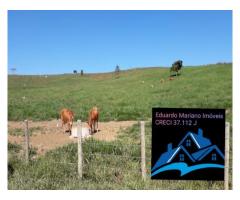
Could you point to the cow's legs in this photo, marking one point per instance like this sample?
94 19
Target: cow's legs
96 126
64 130
91 127
69 128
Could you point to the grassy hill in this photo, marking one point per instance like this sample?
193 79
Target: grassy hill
109 165
129 97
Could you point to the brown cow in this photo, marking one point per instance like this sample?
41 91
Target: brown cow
93 119
67 117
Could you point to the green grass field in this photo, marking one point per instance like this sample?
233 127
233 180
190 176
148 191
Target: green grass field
125 98
114 165
107 165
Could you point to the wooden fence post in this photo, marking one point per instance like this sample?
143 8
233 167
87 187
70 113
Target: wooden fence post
26 141
226 168
143 156
80 153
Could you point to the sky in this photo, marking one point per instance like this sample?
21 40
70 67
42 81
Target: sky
55 42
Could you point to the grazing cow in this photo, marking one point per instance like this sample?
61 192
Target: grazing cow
67 117
93 119
176 67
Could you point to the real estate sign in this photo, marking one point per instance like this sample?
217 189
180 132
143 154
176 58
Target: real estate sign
188 144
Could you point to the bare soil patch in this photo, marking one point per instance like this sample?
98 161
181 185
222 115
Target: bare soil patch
46 135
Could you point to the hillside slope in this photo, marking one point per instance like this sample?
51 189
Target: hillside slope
129 97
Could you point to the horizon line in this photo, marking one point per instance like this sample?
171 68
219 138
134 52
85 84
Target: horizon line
108 72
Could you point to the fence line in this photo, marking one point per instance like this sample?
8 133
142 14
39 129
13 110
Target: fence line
226 168
100 166
64 163
114 155
80 152
143 154
26 141
107 155
117 145
93 143
141 158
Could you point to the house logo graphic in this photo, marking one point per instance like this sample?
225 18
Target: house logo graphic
194 152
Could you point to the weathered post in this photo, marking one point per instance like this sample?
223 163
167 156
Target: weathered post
26 141
226 168
80 153
143 156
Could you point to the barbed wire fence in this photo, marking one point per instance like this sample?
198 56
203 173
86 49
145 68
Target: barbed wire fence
114 151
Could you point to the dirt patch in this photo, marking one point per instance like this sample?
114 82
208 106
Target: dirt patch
47 135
